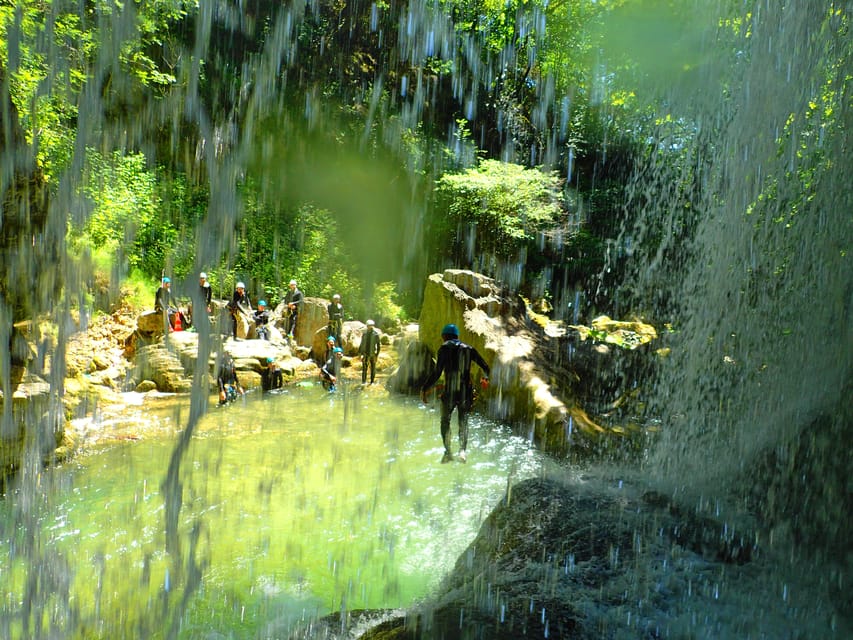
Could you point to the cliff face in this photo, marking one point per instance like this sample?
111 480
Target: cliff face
30 275
27 242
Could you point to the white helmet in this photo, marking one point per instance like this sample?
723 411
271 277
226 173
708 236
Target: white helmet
240 285
370 323
337 296
293 282
202 275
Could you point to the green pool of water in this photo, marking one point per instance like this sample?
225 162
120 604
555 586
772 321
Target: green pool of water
291 506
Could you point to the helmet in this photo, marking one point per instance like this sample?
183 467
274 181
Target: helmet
240 285
262 303
293 283
330 339
337 350
202 275
337 296
450 330
370 323
270 360
166 280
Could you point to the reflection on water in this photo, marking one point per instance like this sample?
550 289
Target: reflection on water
292 506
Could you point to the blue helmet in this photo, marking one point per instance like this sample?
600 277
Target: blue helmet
337 350
166 280
330 339
262 303
450 330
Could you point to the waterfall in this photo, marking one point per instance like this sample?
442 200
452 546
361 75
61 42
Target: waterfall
751 264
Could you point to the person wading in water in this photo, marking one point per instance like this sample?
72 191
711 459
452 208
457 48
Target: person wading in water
454 360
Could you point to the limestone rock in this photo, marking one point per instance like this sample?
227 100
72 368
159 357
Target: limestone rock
34 413
151 323
449 295
520 391
145 386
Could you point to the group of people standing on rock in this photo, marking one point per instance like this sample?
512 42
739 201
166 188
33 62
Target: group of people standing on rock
239 304
271 375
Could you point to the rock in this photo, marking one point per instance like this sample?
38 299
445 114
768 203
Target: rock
101 362
530 385
448 295
33 416
318 345
156 362
145 386
351 336
314 317
151 323
244 325
550 548
416 363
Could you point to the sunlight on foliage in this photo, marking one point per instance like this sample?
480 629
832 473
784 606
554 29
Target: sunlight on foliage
507 202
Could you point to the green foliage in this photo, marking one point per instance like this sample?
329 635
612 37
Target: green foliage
123 194
384 305
506 203
137 291
47 109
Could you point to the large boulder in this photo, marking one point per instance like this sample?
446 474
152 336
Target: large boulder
415 362
447 298
519 393
151 323
172 361
314 317
36 421
158 363
558 559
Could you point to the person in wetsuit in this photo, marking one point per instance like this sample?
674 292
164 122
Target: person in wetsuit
262 319
294 302
239 303
229 385
205 296
336 318
454 360
164 302
271 376
331 370
330 345
205 291
369 352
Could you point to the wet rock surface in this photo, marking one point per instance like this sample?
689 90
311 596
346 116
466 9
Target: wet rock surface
591 557
535 383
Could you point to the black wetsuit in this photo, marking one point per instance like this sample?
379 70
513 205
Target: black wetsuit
331 368
454 360
262 319
369 351
205 297
227 378
294 298
165 301
206 294
336 321
271 378
239 304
